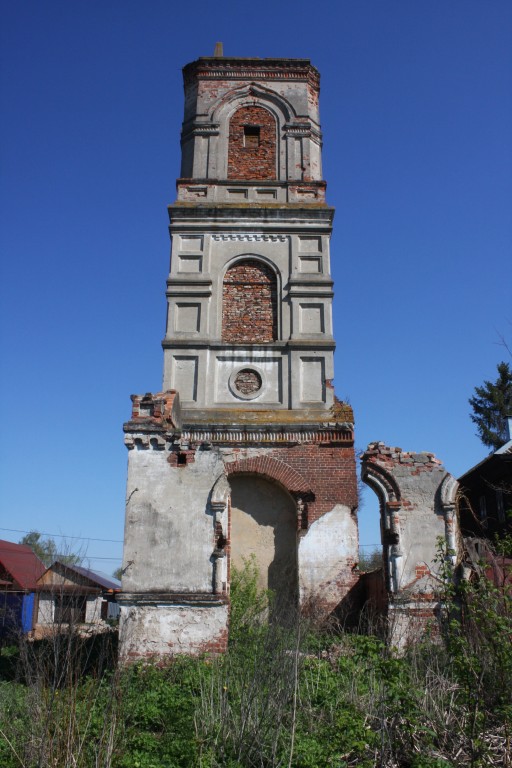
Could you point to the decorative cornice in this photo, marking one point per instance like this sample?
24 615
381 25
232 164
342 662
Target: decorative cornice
199 129
251 74
299 130
137 437
251 238
341 433
143 440
225 68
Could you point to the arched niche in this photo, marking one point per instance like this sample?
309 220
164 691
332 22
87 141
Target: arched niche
222 113
249 303
252 144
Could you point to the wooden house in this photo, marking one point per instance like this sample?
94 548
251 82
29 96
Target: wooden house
20 569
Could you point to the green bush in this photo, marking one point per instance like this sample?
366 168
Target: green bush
158 709
283 696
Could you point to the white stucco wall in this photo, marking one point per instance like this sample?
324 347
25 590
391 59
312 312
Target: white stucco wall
330 542
164 630
169 536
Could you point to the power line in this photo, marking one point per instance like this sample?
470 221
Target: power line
63 536
62 554
110 541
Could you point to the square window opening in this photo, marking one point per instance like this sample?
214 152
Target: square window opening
251 136
70 609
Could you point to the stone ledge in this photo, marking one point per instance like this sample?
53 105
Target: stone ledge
188 599
249 210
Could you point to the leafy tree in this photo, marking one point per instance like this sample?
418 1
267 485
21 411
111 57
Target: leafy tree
492 405
118 573
370 561
47 550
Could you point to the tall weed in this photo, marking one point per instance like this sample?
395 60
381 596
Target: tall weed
283 696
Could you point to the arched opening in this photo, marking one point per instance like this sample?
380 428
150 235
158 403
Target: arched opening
252 144
369 525
249 303
264 527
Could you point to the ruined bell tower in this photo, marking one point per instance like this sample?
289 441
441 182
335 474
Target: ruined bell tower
246 452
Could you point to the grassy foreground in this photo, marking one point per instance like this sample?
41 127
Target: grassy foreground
282 696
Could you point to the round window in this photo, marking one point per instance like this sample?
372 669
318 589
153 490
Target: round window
246 383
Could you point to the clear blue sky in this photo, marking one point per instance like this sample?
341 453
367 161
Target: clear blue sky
416 108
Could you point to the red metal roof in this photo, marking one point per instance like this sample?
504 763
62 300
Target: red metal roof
21 563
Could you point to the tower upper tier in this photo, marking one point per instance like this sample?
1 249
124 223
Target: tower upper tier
255 122
249 324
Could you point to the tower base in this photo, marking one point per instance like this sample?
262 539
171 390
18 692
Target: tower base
156 626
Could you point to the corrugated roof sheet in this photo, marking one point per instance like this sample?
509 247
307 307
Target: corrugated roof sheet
21 563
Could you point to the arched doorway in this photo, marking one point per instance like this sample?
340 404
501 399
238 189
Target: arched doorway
264 526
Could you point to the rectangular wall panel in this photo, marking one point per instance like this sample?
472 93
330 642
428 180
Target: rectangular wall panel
190 263
191 243
310 265
185 377
187 318
310 244
268 369
312 379
311 318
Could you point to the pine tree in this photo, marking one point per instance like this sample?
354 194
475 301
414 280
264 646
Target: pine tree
492 406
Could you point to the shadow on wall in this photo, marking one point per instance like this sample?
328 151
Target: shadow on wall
264 525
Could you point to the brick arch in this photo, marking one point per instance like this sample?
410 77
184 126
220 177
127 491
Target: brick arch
249 303
253 93
248 95
448 491
380 481
273 469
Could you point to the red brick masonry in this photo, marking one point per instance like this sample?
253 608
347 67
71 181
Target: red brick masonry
325 475
252 161
249 303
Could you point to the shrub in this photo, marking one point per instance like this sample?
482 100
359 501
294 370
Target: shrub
283 696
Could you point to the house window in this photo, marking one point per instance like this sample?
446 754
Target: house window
251 136
483 511
70 609
500 506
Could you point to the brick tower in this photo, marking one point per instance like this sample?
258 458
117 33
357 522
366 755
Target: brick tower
246 452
